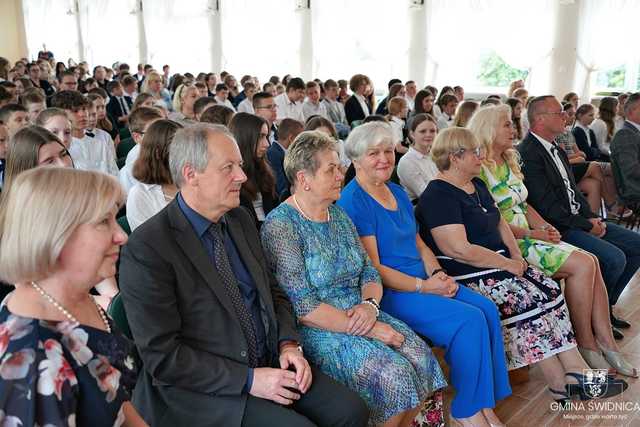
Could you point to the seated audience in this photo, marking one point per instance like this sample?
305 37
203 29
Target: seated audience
120 105
448 104
460 222
233 91
246 105
13 97
103 126
143 100
382 108
312 106
130 88
217 115
34 102
202 292
202 104
288 131
335 109
289 104
604 126
423 105
625 151
37 81
516 117
65 361
358 106
398 110
337 305
416 168
554 195
154 86
211 80
464 113
458 91
67 80
410 93
87 151
584 135
14 117
222 96
540 245
184 112
265 107
258 192
139 121
202 89
155 188
57 122
417 291
571 98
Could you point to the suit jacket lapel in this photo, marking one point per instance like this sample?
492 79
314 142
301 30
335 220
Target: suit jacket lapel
196 253
551 164
631 127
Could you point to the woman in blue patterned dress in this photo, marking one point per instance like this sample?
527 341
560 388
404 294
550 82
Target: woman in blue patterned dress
314 252
62 361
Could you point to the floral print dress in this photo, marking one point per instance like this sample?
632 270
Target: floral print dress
62 373
319 263
510 195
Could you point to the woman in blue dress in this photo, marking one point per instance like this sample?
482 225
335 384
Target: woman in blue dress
314 252
417 290
63 361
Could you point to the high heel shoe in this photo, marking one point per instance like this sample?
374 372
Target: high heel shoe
617 361
594 359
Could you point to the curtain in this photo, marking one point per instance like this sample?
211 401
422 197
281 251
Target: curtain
608 33
51 23
361 36
261 38
460 32
178 33
110 31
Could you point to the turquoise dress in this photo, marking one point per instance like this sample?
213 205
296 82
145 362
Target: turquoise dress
325 263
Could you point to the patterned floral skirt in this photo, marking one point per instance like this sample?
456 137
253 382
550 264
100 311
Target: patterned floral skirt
535 319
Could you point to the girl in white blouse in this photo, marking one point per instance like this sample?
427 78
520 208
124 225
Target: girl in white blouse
416 168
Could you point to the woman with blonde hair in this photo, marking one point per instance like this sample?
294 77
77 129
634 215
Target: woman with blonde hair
183 101
464 113
541 246
64 362
154 86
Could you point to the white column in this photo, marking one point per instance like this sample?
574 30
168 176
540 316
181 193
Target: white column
143 53
417 43
563 58
215 27
303 11
81 51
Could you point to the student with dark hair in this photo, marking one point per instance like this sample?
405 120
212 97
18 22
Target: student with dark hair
217 115
34 102
36 81
202 104
5 97
423 104
119 106
222 96
14 116
12 89
265 107
101 126
87 151
246 105
288 130
100 75
289 104
382 107
130 87
516 116
211 80
155 187
448 104
604 125
67 80
258 192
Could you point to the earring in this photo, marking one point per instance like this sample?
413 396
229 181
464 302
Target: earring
307 188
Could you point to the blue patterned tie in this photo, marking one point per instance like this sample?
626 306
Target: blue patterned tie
231 286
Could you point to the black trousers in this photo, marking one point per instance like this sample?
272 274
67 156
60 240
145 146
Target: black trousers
327 403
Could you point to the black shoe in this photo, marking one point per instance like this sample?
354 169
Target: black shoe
617 334
616 322
610 387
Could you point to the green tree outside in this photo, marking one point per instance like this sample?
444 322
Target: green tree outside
495 72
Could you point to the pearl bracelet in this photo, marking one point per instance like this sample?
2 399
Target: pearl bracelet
419 283
374 306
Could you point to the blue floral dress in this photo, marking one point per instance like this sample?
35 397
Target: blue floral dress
62 374
325 263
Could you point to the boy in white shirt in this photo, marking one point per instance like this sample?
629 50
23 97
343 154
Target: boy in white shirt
246 106
312 105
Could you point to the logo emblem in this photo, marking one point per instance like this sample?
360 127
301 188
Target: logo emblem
595 384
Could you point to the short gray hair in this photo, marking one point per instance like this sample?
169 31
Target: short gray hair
536 107
190 147
301 155
366 136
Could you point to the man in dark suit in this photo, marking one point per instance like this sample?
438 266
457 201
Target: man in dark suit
119 105
625 150
216 334
553 193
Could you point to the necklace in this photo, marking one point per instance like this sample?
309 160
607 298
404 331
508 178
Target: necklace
64 311
295 201
480 204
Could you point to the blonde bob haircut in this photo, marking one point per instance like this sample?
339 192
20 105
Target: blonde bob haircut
484 125
451 141
41 211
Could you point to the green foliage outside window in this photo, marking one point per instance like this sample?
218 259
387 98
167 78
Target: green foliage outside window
612 78
495 72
